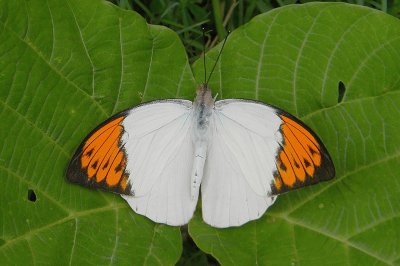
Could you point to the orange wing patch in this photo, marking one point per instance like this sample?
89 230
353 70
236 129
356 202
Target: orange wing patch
100 160
302 158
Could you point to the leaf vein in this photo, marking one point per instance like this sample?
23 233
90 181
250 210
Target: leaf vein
84 47
61 221
374 224
341 240
112 258
366 59
299 55
44 133
338 43
122 65
149 71
260 61
73 242
34 49
34 186
339 179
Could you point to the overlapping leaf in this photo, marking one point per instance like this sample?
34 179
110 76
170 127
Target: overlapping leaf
64 67
67 65
295 58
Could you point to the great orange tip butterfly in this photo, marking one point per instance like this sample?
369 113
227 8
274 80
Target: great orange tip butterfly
241 153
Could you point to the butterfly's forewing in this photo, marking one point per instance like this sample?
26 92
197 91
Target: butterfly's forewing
253 156
302 158
155 141
100 160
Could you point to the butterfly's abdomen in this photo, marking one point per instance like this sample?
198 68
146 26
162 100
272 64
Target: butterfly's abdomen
201 122
197 171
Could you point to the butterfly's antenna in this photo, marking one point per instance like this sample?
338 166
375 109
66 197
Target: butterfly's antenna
219 54
204 56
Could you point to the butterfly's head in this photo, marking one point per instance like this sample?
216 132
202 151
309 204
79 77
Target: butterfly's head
203 96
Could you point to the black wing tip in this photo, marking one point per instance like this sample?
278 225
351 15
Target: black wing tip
324 172
73 173
76 175
327 170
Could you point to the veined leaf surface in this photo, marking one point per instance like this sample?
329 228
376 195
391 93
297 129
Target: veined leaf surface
65 66
294 58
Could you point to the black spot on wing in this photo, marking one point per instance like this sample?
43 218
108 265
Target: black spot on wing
94 165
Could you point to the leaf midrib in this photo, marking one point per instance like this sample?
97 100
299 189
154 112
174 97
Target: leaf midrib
286 215
56 71
72 216
345 242
356 100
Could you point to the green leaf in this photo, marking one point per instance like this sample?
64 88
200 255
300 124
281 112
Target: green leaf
295 57
64 67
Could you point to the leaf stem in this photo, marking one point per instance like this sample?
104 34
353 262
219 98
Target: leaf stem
218 19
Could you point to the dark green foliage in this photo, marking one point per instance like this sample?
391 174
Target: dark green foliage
187 17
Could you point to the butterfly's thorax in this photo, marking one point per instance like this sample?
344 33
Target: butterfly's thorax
202 110
203 105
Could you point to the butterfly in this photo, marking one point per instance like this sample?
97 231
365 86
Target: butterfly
240 153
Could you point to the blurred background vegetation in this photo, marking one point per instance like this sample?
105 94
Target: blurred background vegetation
187 17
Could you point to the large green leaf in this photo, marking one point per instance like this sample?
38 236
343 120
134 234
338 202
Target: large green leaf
67 65
64 67
294 57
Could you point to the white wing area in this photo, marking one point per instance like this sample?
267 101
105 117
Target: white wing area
240 162
159 160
